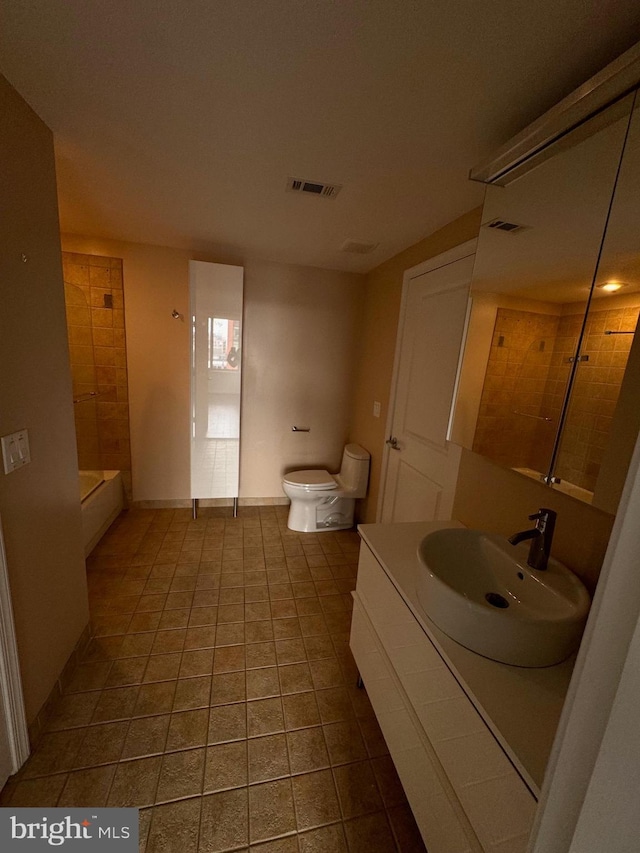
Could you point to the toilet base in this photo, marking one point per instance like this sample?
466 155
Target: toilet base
330 513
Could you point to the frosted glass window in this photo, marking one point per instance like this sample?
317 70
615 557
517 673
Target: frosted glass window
216 353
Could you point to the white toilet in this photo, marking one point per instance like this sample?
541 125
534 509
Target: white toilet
323 501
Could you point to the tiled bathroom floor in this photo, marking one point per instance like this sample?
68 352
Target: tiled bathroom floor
218 694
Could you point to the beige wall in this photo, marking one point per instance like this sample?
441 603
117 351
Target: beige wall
299 350
496 499
299 338
378 342
39 503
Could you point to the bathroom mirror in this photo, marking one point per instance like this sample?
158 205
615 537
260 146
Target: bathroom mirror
541 252
603 417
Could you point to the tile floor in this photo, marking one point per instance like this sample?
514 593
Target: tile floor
218 694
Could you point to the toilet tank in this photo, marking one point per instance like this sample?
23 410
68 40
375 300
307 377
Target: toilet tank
354 471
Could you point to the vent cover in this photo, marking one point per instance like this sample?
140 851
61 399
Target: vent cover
503 225
358 248
302 185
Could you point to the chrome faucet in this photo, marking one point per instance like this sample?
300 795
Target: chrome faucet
541 536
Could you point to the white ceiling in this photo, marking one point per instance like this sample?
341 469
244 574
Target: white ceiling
177 122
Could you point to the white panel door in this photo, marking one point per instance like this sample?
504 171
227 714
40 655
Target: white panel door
422 466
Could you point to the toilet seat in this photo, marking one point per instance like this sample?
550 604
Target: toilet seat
312 480
320 501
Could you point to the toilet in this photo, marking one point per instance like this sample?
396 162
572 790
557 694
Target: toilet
323 501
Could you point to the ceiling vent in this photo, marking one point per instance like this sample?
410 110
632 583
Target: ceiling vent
503 225
300 185
358 248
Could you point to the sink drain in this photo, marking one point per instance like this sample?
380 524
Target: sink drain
496 600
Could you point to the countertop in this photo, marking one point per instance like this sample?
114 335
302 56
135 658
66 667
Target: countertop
520 705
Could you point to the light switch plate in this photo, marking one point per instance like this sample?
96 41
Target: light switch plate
376 409
15 450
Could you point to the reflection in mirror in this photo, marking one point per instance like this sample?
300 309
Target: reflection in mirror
600 369
216 346
536 261
603 417
516 426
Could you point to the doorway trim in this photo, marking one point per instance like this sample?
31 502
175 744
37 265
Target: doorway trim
463 250
10 678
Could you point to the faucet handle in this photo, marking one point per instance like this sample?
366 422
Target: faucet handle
545 520
543 512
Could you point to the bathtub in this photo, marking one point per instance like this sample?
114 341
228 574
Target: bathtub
89 482
102 500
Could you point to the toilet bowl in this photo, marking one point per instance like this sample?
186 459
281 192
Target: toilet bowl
323 501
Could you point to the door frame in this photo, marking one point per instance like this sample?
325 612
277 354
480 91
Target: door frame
458 253
591 729
10 679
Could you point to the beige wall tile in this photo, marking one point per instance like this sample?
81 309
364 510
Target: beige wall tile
76 273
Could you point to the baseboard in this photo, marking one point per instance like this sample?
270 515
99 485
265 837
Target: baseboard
209 502
37 726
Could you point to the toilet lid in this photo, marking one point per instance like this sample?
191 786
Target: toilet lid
311 479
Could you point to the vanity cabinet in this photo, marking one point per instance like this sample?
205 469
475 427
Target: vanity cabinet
464 790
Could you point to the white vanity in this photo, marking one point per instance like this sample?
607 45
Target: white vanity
470 737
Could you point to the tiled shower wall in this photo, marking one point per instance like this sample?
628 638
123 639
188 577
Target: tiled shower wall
595 393
94 299
509 429
525 384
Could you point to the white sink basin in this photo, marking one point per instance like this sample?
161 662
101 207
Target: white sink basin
479 590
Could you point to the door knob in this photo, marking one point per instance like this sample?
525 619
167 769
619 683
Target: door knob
392 441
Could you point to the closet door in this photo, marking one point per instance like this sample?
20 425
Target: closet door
421 464
216 292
